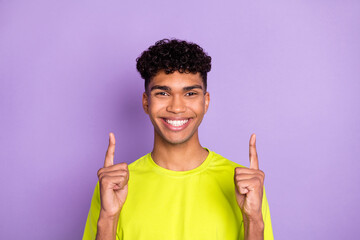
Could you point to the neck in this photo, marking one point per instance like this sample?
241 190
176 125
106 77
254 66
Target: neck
178 157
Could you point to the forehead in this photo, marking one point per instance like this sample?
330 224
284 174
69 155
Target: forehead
176 79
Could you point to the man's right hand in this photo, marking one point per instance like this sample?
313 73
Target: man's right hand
113 180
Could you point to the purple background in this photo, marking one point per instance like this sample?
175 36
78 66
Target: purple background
286 70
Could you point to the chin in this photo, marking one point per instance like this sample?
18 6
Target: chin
175 140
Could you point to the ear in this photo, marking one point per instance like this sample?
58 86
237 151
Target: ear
207 101
145 103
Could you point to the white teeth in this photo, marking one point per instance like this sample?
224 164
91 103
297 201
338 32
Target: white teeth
177 123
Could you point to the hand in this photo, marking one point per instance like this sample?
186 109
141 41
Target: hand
249 184
113 180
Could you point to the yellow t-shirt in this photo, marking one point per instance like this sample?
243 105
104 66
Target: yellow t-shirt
162 204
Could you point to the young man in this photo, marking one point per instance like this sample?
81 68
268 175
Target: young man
180 190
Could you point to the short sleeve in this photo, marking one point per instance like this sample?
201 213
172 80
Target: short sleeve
268 232
93 216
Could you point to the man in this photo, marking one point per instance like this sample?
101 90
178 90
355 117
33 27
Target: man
180 190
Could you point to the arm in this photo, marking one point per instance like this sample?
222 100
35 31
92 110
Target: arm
113 180
106 227
268 233
254 229
249 184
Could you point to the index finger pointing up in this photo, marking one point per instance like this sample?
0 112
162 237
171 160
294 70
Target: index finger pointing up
254 162
109 158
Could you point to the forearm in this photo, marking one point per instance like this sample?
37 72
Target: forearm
254 229
107 227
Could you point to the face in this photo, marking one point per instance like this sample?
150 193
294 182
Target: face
176 104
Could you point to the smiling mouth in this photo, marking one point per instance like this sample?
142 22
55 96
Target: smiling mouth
176 123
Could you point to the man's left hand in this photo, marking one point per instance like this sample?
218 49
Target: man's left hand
249 184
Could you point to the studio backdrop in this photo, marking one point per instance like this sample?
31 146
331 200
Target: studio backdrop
285 70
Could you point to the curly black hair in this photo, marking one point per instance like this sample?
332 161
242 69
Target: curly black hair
173 55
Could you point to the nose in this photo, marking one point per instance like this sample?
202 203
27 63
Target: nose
176 105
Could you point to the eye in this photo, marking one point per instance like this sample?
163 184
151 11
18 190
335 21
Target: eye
161 94
191 94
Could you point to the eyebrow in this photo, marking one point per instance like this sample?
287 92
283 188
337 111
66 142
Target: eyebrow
192 87
166 88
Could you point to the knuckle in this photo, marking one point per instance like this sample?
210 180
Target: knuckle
123 164
261 175
105 179
101 176
238 170
258 181
238 177
99 172
239 183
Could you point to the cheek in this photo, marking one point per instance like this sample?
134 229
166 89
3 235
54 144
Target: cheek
156 106
200 105
198 108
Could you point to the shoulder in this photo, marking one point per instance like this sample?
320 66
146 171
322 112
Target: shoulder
220 162
140 163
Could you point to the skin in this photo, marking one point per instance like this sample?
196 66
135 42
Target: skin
249 183
177 96
113 181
